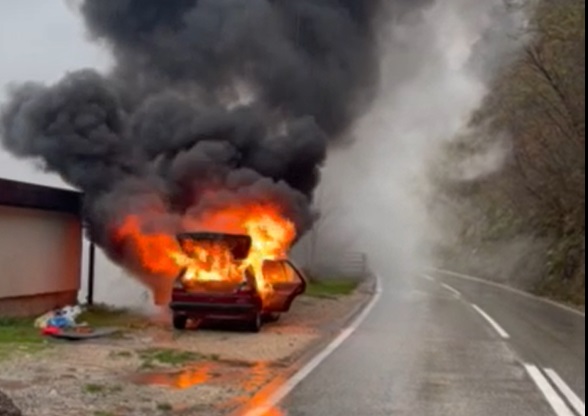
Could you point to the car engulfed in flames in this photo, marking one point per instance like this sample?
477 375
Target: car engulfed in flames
237 268
222 280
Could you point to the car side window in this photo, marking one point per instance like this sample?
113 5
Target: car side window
273 272
291 274
280 272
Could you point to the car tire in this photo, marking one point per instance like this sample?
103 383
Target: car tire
180 322
271 318
255 324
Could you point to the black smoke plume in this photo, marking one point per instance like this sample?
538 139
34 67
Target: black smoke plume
242 95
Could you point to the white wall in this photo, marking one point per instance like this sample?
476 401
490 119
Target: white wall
113 286
40 252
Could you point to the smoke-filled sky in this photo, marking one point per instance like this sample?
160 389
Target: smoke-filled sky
41 40
250 96
210 104
239 97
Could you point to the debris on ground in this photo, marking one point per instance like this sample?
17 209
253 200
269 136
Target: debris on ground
61 323
7 407
59 318
83 333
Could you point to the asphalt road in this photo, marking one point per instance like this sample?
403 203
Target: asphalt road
452 347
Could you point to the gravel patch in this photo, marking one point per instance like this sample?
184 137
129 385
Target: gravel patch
156 371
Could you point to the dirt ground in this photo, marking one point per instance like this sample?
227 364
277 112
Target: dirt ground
156 371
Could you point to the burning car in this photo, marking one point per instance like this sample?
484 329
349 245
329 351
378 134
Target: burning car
222 280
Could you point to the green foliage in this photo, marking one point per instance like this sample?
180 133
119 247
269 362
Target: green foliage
539 101
331 288
566 279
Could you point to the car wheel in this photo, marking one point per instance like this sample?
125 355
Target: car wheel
271 318
180 322
255 324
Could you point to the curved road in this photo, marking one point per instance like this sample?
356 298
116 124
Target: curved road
447 346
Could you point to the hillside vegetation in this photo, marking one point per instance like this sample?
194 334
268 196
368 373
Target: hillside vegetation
531 213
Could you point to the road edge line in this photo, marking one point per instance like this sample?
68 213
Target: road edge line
452 290
497 327
286 386
512 290
573 398
556 402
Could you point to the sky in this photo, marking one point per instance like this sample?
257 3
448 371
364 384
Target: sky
41 40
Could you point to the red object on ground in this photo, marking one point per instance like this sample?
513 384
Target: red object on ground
50 330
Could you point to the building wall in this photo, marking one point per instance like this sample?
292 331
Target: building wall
40 257
29 306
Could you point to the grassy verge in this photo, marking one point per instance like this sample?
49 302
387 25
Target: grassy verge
331 288
154 357
104 316
100 389
19 336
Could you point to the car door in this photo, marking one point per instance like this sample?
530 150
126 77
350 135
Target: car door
287 283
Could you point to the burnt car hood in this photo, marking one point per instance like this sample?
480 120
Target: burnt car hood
240 245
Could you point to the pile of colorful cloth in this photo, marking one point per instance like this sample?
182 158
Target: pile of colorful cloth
62 324
56 321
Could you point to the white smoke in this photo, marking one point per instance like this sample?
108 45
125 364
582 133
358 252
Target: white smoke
435 73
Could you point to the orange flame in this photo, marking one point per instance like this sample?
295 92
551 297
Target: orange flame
159 254
274 412
208 262
150 249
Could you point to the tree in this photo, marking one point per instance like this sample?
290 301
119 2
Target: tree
540 102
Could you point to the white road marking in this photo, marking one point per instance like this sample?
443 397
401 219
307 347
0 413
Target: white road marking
511 290
291 384
555 401
566 390
452 290
492 322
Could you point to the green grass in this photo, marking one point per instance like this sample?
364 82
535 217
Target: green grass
101 413
19 331
164 407
331 288
121 354
167 357
104 316
20 336
94 389
100 389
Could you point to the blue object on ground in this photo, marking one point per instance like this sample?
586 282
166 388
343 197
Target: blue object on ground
60 322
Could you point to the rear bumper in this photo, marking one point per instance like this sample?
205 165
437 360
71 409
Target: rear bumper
207 310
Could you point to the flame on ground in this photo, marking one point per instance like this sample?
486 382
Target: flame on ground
183 380
160 254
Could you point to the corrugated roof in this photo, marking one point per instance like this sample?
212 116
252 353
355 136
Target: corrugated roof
26 195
